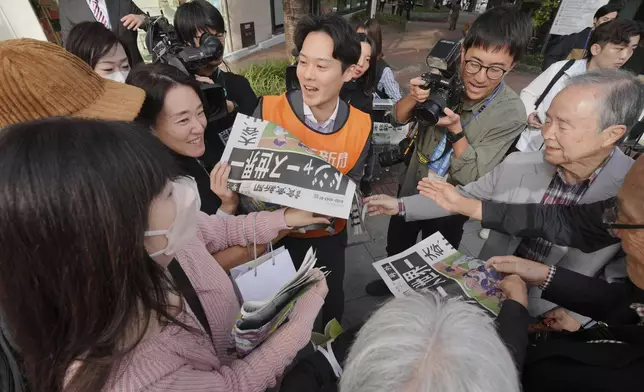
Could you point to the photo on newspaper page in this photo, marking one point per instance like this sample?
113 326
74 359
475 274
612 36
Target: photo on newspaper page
433 264
273 168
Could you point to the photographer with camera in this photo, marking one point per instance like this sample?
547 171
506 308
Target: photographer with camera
467 119
198 23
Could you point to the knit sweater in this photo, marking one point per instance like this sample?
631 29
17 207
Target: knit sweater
178 360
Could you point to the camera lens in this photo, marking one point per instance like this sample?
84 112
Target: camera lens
211 47
432 110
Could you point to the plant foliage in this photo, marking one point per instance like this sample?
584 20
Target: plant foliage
268 78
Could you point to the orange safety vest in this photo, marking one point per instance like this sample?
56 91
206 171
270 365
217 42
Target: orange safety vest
341 149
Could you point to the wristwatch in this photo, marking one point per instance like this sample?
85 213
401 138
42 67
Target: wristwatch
454 137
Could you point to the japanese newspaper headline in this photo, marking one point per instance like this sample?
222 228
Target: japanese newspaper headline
433 264
270 165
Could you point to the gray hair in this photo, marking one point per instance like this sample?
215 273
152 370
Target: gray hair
422 344
622 98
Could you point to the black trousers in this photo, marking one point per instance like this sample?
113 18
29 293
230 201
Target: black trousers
402 235
330 254
381 6
312 372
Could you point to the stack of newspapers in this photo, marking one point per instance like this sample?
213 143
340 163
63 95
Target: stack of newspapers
257 320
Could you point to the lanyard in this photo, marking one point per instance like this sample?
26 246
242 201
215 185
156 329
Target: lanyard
442 146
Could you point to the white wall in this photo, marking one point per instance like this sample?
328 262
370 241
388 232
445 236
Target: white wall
18 20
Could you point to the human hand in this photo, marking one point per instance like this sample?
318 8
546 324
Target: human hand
530 271
449 198
515 289
230 106
299 218
219 185
415 91
204 79
560 320
381 205
451 121
533 121
132 21
320 288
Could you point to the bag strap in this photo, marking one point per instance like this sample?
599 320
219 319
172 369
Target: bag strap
558 76
188 291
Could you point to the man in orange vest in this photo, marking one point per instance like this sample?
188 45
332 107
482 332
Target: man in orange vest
327 49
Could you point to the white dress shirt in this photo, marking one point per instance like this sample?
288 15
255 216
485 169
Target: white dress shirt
312 122
103 7
531 139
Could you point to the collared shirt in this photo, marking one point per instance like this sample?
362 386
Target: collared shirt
312 122
388 84
558 192
489 136
103 7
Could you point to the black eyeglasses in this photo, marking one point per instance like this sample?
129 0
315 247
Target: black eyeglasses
493 72
610 221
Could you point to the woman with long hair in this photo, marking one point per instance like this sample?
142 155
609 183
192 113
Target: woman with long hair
173 110
99 47
359 91
91 216
385 85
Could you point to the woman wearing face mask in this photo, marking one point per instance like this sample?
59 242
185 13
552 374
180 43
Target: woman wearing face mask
173 110
87 296
101 49
359 93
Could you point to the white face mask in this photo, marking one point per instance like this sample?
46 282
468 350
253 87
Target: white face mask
117 76
184 227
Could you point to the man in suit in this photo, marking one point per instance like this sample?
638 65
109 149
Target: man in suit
580 164
123 17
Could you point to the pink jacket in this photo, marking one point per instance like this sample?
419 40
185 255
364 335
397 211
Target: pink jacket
178 360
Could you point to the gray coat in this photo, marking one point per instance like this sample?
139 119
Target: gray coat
524 178
73 12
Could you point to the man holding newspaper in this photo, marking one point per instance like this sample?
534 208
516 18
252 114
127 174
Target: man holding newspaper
312 146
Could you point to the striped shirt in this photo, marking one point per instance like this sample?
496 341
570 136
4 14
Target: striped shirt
388 84
99 10
558 192
173 359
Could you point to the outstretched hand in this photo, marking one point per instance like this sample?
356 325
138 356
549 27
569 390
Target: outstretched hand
132 21
530 271
381 205
449 198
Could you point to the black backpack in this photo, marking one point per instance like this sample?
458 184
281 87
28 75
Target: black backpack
11 376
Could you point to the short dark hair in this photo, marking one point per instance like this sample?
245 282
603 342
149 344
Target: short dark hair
618 32
77 215
197 15
372 27
156 80
346 46
502 27
367 81
606 9
91 41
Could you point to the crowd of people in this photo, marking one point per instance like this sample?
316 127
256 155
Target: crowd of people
118 229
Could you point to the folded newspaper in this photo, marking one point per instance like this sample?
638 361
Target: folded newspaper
434 265
272 168
257 320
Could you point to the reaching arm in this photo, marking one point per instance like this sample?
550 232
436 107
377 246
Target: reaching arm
591 297
512 325
577 226
220 232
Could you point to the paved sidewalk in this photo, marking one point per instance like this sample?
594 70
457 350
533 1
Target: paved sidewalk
405 52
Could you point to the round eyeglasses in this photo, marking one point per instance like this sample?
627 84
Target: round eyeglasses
492 73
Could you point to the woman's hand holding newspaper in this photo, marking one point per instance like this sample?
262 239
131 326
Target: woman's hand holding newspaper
219 185
320 288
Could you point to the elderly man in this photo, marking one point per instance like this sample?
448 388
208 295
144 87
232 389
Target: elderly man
427 344
580 164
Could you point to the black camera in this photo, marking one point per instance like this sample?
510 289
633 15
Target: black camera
444 81
165 47
399 154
